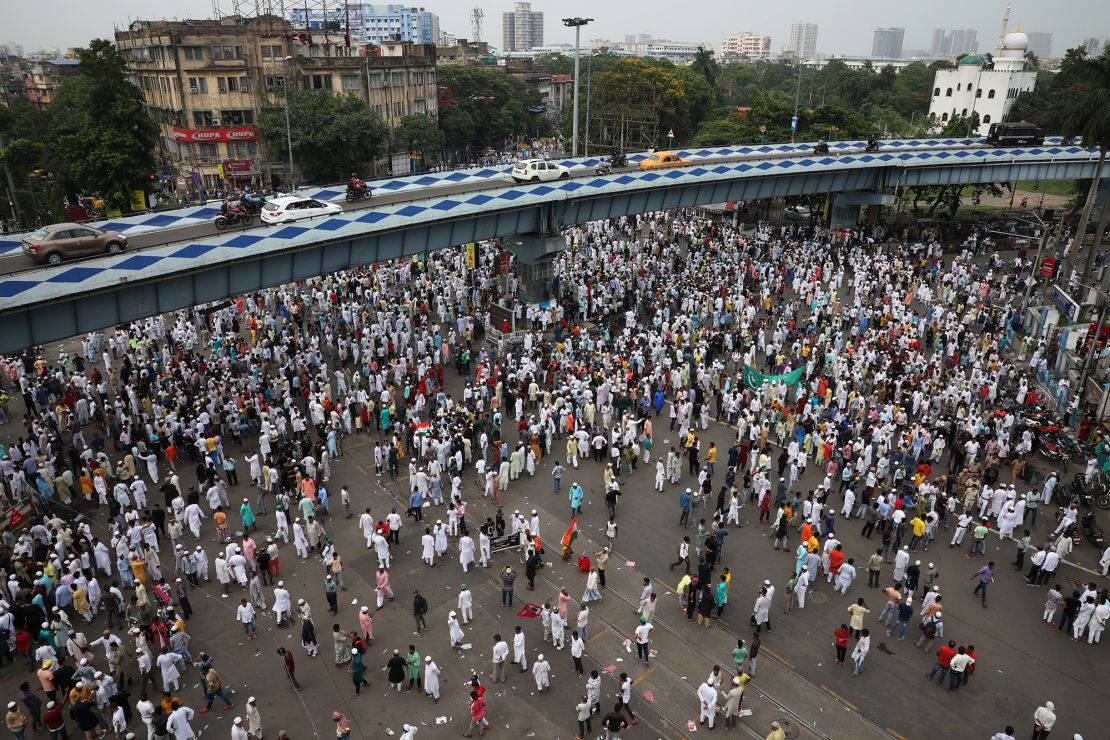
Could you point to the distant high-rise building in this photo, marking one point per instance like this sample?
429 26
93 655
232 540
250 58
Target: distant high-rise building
644 38
630 38
1040 43
803 40
964 42
521 29
747 45
942 43
1092 45
371 23
887 43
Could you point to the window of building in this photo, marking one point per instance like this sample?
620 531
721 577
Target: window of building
990 93
979 93
936 92
275 53
275 82
227 52
203 119
948 94
194 53
959 86
198 85
964 113
237 117
377 80
242 149
398 111
418 78
221 84
350 82
317 82
420 106
987 118
397 79
944 117
244 84
207 150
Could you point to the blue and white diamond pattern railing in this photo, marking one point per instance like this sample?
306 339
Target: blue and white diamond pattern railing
51 283
147 222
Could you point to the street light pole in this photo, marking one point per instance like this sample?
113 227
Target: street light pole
288 128
797 99
576 24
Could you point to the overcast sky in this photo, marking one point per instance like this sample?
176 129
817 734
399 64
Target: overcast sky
64 23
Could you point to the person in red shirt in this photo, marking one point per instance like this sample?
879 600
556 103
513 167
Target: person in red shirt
842 634
836 559
944 660
971 666
477 715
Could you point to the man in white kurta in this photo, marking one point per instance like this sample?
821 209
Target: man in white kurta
541 671
707 695
431 678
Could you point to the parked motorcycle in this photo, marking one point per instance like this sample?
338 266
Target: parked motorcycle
233 218
1092 531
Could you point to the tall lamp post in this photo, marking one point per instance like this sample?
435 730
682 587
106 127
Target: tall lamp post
288 128
576 24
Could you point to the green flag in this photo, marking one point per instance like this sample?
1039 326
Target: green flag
755 379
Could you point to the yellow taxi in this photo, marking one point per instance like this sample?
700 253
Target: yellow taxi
659 160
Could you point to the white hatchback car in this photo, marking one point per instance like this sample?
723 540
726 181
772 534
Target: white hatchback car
538 170
294 207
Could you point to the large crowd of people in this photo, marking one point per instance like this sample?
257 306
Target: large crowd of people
153 459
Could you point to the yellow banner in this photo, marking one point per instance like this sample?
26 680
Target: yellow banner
471 255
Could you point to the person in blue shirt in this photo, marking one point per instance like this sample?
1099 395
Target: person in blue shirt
575 495
415 499
684 505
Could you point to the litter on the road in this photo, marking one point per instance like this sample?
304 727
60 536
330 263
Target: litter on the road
649 696
441 720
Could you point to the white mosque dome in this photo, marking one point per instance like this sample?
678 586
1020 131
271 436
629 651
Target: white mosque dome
1016 40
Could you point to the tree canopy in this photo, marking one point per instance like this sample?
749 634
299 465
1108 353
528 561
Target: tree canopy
332 134
99 134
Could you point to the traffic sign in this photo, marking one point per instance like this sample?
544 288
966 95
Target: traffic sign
793 124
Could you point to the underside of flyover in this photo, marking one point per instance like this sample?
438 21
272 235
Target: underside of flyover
131 300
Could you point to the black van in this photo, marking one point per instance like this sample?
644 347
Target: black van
1012 134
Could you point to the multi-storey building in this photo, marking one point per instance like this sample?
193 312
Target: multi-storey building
207 82
522 29
887 43
803 41
371 23
746 45
42 77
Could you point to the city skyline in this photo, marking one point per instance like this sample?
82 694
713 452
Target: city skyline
1067 21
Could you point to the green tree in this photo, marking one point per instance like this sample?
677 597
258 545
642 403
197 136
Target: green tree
706 65
634 88
721 132
419 133
100 135
332 134
1088 113
485 106
699 102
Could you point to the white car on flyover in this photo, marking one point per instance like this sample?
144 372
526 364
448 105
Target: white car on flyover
538 170
296 207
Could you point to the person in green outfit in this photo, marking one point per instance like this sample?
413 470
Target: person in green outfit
739 655
358 671
414 666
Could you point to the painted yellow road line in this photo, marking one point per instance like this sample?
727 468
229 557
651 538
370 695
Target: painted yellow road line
839 698
777 657
644 675
600 633
895 733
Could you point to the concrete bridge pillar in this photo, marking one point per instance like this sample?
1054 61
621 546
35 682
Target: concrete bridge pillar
846 207
535 255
